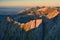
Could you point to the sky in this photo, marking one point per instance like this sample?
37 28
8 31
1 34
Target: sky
29 2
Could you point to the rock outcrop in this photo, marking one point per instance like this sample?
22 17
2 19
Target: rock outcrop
37 11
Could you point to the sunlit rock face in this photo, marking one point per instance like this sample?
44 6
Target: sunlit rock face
27 26
31 25
24 10
9 19
52 14
48 12
58 9
45 28
44 11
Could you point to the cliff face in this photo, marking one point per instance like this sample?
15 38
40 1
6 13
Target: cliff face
32 17
34 24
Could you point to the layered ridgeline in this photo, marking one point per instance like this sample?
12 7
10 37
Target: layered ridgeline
35 23
31 18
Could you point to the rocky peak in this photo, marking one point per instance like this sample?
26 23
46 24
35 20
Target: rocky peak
44 11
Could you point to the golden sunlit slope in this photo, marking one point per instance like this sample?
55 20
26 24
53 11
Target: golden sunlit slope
26 26
47 12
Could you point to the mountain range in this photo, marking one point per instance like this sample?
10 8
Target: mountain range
35 23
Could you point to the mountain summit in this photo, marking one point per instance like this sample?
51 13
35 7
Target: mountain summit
35 15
